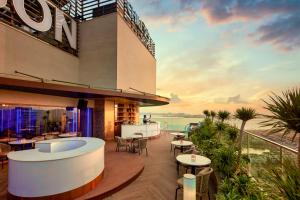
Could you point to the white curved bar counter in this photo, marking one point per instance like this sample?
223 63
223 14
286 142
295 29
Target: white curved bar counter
148 130
55 166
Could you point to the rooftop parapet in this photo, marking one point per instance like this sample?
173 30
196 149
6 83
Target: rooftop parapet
73 11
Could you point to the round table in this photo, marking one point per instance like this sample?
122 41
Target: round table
135 137
177 134
67 135
200 161
22 142
181 144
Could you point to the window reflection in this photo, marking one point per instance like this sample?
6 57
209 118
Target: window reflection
28 122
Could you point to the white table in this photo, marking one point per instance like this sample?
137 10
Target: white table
67 135
177 134
199 161
134 137
181 144
22 142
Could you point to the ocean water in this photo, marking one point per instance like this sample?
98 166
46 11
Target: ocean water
179 123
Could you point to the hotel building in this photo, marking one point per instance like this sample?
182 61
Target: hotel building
74 66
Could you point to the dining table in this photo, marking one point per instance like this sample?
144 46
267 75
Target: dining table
182 144
193 161
176 134
68 135
22 143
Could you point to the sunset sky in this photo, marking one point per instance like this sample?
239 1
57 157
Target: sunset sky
222 54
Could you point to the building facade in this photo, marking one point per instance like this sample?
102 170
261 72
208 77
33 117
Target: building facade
73 66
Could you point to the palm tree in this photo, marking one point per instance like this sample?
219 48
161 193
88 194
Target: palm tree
213 114
244 114
223 115
206 113
285 114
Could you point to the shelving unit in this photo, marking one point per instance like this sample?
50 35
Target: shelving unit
125 113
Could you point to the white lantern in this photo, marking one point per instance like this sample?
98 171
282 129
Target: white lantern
189 187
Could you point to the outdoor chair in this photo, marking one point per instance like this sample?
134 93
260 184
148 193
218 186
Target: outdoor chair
176 138
141 144
181 169
121 142
4 150
192 150
202 181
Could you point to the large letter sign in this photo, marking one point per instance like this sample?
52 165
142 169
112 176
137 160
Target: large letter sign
43 26
3 3
61 24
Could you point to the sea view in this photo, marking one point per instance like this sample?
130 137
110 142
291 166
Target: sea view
179 123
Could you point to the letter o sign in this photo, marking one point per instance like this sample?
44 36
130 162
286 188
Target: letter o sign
43 26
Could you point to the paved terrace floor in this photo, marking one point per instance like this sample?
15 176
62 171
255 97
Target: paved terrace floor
157 181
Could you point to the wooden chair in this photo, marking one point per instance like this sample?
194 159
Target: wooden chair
176 138
141 144
202 181
121 143
4 150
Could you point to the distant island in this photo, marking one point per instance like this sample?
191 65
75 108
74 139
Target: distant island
183 115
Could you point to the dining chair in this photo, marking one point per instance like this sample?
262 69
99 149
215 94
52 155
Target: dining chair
176 138
202 183
141 144
4 150
121 142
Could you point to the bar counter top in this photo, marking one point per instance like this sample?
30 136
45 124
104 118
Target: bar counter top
57 149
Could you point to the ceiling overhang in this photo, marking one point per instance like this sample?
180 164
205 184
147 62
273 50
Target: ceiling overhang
79 92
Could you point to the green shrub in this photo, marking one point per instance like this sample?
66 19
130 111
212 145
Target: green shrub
240 186
232 133
225 161
287 181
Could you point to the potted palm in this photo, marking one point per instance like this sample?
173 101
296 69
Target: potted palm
284 114
243 114
223 115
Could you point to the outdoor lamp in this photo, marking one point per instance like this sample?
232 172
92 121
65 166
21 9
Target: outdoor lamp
189 187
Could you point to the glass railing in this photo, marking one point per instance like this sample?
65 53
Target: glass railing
265 154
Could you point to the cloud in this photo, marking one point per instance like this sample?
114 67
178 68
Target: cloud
284 32
174 13
224 11
174 98
235 99
281 17
282 28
